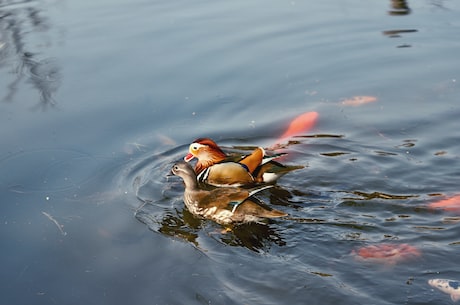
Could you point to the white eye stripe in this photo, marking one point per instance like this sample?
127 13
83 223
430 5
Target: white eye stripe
196 146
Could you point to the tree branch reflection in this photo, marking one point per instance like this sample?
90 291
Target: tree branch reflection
399 7
19 20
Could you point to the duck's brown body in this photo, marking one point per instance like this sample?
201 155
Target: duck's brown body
223 205
226 174
214 167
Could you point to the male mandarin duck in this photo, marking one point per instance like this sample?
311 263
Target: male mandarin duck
214 167
224 205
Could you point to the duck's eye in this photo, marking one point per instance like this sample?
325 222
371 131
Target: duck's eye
176 168
194 147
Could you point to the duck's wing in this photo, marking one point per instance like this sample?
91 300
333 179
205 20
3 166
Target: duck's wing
228 198
254 207
221 198
272 170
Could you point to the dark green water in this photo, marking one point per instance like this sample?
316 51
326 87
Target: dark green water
99 99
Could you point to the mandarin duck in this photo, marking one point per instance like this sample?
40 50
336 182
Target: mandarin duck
224 205
214 167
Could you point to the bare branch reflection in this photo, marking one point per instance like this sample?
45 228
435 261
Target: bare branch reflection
399 7
19 21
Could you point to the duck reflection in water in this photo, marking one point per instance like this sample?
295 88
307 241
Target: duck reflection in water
257 237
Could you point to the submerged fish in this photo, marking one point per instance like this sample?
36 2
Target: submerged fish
451 204
387 253
450 287
298 126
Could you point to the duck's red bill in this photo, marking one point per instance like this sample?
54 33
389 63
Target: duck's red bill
188 157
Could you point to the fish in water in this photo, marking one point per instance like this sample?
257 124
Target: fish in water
450 287
451 204
387 253
298 126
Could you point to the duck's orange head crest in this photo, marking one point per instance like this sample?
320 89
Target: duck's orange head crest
203 145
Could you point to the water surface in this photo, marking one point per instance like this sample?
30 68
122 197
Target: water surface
98 100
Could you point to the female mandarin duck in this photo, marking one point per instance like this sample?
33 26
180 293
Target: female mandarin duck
214 167
223 205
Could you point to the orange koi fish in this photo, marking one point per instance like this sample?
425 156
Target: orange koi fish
387 253
451 204
301 124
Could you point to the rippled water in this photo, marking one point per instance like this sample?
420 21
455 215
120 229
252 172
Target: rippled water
98 100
